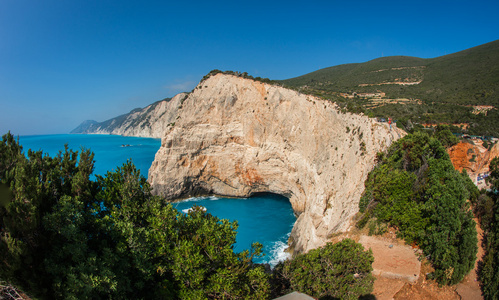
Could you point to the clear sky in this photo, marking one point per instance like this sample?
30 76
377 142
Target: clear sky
66 61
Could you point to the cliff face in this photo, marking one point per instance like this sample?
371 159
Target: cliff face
150 121
235 137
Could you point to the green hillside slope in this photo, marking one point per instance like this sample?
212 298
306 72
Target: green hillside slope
436 90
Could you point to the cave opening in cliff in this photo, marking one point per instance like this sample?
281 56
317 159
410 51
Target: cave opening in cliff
267 218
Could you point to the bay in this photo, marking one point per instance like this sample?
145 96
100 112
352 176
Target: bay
265 218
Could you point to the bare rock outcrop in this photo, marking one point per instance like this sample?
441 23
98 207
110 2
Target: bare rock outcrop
474 158
235 137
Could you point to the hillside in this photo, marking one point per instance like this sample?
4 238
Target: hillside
85 126
446 89
150 121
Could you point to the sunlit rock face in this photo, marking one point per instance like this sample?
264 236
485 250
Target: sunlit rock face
235 137
150 121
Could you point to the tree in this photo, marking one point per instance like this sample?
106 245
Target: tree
493 178
416 188
445 136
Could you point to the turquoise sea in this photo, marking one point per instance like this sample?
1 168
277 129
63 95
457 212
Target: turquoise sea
111 151
264 218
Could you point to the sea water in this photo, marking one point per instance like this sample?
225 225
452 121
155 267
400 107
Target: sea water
110 151
265 218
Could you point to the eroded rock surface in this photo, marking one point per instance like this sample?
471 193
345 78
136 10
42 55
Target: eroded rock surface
474 158
236 137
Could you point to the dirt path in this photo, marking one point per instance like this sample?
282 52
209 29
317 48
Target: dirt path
469 288
392 270
392 259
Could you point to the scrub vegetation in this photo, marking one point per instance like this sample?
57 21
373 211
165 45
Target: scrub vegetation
335 271
238 74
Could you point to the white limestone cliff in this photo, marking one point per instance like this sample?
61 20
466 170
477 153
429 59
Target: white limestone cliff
235 137
150 121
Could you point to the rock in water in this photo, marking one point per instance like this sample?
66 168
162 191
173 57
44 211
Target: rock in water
235 137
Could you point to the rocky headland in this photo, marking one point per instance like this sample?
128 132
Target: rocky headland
235 137
150 121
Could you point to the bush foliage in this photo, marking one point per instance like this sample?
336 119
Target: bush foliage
416 188
341 270
238 74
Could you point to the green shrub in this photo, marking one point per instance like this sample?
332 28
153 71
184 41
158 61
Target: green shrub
341 270
376 227
417 189
445 136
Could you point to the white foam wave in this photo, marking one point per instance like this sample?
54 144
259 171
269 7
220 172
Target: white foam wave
187 210
278 252
195 199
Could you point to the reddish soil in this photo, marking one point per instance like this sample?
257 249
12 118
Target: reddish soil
468 289
421 289
427 291
424 289
473 157
392 260
467 156
386 288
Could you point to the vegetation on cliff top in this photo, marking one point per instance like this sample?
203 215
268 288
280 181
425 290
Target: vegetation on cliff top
415 188
468 77
440 90
238 74
64 236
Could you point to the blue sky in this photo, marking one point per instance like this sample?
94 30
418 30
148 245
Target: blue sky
63 62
